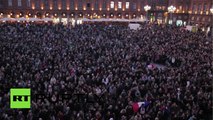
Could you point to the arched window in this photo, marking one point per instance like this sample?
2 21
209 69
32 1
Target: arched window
112 4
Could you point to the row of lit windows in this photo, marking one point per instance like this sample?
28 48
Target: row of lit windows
71 15
112 5
199 8
196 9
160 8
45 3
200 18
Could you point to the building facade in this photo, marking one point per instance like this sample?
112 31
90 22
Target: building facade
187 11
193 12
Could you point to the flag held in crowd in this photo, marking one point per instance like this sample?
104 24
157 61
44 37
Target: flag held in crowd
137 105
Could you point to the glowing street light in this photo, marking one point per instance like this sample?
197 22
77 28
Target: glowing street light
47 14
211 10
1 14
171 10
134 15
147 8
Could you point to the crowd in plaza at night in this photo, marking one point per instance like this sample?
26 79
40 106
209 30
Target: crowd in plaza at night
166 67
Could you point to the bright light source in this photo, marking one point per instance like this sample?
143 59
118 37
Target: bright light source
171 8
147 7
211 10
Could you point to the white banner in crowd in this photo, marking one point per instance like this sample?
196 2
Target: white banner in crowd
134 26
188 27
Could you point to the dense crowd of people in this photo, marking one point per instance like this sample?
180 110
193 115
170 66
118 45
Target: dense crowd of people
109 63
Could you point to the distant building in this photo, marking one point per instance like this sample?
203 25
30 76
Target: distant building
187 11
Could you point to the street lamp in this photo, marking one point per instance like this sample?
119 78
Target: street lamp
171 9
211 10
147 8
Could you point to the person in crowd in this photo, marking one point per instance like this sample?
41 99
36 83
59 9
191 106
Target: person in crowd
108 66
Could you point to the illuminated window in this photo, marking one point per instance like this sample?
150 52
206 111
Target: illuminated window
127 5
180 8
193 18
10 3
19 3
158 7
112 4
203 19
198 18
163 7
28 3
119 5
